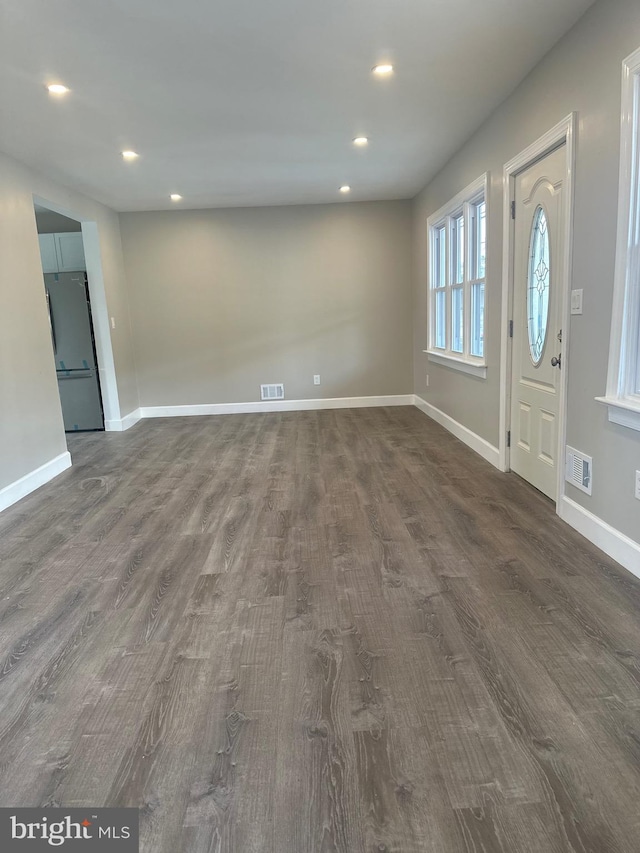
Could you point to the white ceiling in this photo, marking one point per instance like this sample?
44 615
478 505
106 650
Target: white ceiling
255 102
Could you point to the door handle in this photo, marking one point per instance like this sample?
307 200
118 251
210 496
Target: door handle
557 362
53 323
74 374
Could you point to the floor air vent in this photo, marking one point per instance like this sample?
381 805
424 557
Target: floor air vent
272 392
579 470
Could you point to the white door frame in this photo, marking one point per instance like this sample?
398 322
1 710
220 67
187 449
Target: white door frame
99 313
563 132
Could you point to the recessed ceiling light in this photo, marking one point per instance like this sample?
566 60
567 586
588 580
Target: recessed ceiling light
361 140
129 155
345 189
57 89
176 197
382 69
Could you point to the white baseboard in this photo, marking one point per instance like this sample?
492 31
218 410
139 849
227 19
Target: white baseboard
32 481
124 423
615 544
471 439
274 406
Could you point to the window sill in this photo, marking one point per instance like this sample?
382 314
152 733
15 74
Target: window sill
473 368
623 410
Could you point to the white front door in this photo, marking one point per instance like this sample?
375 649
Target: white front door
537 336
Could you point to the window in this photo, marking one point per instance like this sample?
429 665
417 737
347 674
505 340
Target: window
623 381
457 271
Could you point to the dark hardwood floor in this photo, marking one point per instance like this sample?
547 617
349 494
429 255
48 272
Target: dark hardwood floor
316 632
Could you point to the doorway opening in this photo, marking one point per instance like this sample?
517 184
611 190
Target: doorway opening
72 331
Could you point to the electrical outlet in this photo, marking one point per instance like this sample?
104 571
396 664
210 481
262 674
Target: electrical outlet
316 378
638 485
113 322
426 380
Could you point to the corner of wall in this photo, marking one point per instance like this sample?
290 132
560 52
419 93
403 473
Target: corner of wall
14 492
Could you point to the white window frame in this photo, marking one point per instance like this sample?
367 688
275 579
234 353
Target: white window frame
463 203
623 379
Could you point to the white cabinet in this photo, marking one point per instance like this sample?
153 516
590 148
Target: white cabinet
48 252
70 252
62 252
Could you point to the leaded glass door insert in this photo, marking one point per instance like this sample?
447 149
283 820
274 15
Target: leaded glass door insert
538 286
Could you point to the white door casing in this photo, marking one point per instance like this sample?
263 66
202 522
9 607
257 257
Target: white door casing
540 197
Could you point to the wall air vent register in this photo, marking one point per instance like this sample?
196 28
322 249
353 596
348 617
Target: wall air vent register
579 470
272 392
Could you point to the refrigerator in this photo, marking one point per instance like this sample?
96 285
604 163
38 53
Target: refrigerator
74 349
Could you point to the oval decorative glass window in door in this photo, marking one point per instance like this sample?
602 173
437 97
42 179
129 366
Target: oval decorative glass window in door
538 285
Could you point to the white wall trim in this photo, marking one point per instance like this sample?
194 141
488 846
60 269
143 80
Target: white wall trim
478 187
274 406
100 321
471 439
563 132
32 481
622 411
472 368
623 365
119 425
615 544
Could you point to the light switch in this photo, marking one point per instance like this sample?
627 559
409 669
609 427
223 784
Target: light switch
576 301
113 322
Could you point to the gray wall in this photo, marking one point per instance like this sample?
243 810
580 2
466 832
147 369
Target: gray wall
223 300
582 73
49 222
31 428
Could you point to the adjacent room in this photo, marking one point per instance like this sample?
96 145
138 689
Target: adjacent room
320 426
72 335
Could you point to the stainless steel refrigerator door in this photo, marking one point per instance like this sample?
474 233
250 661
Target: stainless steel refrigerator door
80 398
74 353
70 320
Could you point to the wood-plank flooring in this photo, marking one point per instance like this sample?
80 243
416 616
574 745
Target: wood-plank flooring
316 632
